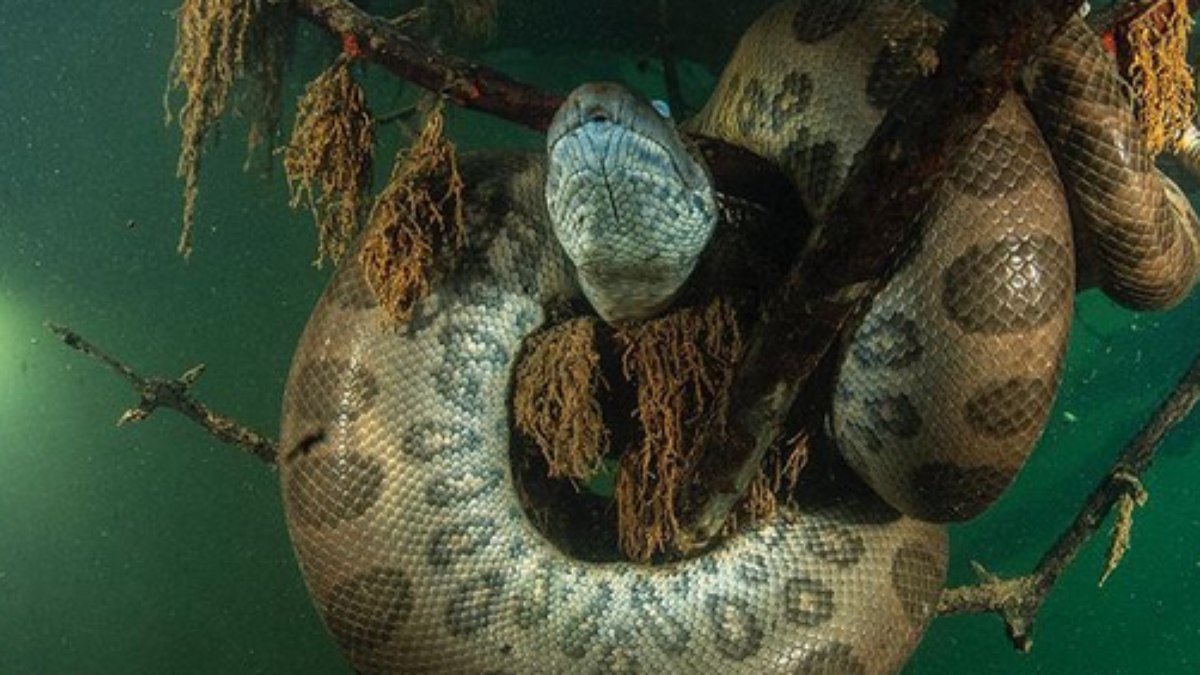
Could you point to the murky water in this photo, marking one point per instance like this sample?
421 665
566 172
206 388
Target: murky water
152 549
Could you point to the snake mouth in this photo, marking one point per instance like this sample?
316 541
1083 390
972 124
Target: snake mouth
607 141
597 111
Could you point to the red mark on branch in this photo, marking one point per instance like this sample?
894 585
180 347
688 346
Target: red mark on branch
350 46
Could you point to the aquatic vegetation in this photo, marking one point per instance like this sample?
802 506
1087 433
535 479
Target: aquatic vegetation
683 364
416 224
216 42
328 159
1156 43
554 399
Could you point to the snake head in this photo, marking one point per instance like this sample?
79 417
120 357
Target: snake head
631 206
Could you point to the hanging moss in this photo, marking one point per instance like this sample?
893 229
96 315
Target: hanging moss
778 476
417 223
328 159
683 364
215 42
555 403
1157 41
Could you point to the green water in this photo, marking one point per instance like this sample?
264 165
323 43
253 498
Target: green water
153 549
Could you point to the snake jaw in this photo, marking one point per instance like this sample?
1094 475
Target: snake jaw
631 207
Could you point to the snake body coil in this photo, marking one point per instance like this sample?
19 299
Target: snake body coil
395 440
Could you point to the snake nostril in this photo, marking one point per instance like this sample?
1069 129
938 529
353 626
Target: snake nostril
597 114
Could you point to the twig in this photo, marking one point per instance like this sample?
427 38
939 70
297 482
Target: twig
156 392
1018 599
875 216
468 84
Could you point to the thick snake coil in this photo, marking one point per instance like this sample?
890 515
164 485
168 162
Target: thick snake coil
395 439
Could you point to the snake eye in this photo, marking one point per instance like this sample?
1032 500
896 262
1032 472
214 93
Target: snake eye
661 107
597 114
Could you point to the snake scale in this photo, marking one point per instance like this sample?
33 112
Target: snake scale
395 440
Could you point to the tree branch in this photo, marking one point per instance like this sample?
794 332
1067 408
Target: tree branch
156 392
875 216
1018 599
468 84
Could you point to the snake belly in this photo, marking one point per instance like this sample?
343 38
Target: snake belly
414 544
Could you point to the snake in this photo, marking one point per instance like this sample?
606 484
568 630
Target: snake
400 498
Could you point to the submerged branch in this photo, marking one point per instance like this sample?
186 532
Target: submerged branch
1018 599
157 392
467 84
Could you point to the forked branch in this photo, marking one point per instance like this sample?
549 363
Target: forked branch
1018 599
176 393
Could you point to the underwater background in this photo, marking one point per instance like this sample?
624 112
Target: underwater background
154 549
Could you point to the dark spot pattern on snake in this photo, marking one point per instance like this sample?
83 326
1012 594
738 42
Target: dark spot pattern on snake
854 429
752 109
916 579
460 541
753 570
327 489
349 290
737 630
808 602
334 389
419 321
790 101
816 20
518 550
474 603
944 492
364 611
884 418
616 649
538 599
836 544
455 489
427 440
682 587
656 618
887 340
583 626
831 657
1012 407
1012 285
470 357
